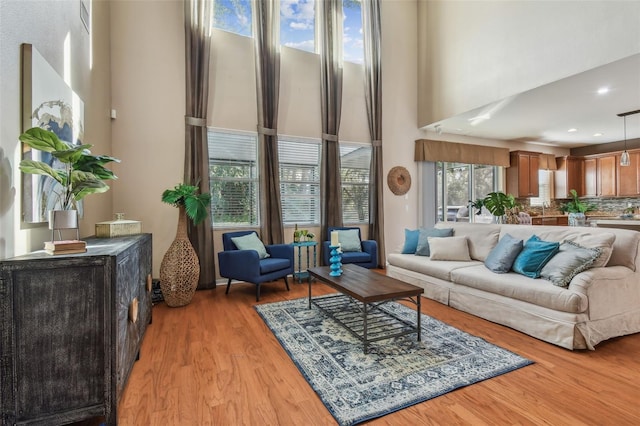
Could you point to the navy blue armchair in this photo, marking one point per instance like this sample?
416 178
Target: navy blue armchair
367 258
245 265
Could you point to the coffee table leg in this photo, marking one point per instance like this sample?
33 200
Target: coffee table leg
419 317
309 291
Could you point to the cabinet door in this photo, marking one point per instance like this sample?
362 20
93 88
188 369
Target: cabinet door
629 176
59 330
127 331
590 177
570 175
607 176
522 176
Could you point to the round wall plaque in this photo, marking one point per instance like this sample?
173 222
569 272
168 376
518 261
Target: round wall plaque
399 180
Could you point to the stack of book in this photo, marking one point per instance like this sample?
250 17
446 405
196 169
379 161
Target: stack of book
65 247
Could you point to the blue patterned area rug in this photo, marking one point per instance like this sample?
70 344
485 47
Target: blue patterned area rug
395 374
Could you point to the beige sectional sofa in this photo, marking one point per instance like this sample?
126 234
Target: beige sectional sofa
598 304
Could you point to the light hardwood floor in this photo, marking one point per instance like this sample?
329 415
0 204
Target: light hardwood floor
215 362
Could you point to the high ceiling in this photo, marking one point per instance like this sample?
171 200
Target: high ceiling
545 114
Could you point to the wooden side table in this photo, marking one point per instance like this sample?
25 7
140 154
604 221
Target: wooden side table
300 274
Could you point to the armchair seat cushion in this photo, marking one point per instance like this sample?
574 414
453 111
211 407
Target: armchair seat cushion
270 264
355 257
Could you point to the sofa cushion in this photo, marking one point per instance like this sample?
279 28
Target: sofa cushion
410 241
570 260
516 286
423 239
450 248
482 237
251 242
534 255
424 265
501 258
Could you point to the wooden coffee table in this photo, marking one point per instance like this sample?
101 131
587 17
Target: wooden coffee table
360 312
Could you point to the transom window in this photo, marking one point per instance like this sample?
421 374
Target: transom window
297 24
233 16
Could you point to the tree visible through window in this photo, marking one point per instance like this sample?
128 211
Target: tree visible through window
233 176
457 184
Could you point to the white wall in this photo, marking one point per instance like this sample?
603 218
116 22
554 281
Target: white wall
45 25
473 53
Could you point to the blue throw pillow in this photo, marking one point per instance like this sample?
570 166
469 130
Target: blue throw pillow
534 255
410 241
501 257
423 239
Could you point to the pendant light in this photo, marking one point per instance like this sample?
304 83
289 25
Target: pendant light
624 158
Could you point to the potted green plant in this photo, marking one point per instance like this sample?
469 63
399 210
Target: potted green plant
82 173
180 267
576 209
502 205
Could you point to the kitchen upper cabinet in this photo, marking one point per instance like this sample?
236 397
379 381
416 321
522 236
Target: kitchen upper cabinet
629 176
522 175
569 175
600 176
607 176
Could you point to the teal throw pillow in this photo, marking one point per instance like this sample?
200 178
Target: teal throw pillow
534 255
570 260
251 242
349 240
501 257
410 241
423 239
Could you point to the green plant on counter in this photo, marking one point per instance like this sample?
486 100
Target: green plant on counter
576 205
499 203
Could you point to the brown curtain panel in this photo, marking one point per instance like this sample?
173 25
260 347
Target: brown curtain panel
330 38
372 36
266 26
198 18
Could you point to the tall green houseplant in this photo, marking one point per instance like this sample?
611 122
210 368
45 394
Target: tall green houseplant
180 267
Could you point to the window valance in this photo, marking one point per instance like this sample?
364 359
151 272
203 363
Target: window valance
429 150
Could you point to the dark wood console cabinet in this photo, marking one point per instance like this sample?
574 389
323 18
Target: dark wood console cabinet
70 330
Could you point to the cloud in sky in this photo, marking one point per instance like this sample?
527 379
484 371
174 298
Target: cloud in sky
300 25
297 10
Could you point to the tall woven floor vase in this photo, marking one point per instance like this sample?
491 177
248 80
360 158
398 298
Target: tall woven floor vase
180 268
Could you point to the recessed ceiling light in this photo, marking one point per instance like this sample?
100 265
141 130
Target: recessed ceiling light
603 90
571 130
598 134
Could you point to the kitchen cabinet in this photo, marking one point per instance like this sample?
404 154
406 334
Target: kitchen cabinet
569 175
628 177
600 176
71 327
550 220
522 175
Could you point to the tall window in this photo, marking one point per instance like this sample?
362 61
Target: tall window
233 16
355 160
297 24
353 45
299 180
457 184
233 176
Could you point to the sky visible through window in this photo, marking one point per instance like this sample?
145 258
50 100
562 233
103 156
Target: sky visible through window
297 24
